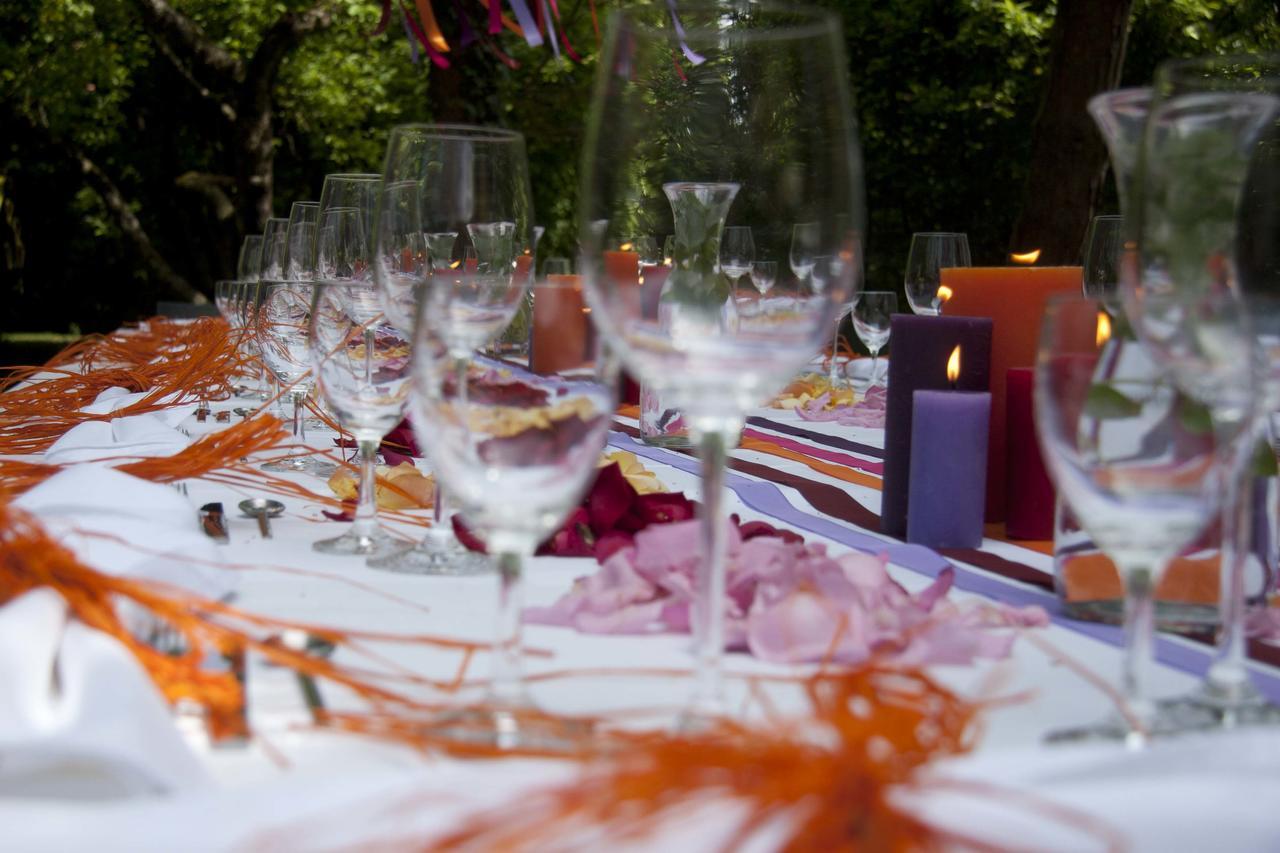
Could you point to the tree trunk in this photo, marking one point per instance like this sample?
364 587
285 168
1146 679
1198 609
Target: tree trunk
1068 157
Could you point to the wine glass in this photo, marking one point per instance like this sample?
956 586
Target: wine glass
250 258
707 131
930 253
275 250
806 237
362 371
438 179
1142 488
517 465
1205 214
872 312
763 275
737 252
300 240
1104 245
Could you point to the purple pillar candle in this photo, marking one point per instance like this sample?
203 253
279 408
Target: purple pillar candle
948 468
921 347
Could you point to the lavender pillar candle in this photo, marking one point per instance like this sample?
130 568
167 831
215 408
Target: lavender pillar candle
949 432
921 347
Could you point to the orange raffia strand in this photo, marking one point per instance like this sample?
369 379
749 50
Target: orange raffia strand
30 558
34 416
876 728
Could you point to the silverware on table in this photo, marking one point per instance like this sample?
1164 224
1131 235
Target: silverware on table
301 641
214 523
262 509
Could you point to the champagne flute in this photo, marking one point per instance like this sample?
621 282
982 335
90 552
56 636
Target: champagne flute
763 275
300 239
1138 485
930 253
873 311
686 130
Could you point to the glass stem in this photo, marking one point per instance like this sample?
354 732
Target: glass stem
1228 679
440 532
713 440
299 425
1139 637
835 349
366 521
507 683
368 355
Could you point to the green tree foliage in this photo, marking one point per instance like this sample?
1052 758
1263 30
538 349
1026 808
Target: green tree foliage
946 94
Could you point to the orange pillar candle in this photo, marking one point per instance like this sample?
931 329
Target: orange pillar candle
559 339
1014 298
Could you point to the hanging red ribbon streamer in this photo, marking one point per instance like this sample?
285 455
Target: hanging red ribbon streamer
436 57
384 20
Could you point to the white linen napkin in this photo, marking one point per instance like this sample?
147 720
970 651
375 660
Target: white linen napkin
137 435
116 398
88 499
79 718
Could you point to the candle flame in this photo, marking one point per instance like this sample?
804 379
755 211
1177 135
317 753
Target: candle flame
953 365
944 294
1026 257
455 265
1104 329
626 247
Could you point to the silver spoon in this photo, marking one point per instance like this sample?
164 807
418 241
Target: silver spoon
262 509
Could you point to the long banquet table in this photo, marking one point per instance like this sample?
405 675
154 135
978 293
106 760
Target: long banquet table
298 787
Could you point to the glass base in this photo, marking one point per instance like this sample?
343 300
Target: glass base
436 556
301 465
375 544
672 442
1226 707
1173 616
512 726
1170 719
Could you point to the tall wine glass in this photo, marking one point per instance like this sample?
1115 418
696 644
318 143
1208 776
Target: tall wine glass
755 115
362 370
300 240
930 253
737 252
250 258
516 464
763 276
806 242
275 249
1141 487
437 179
1101 257
1206 214
872 312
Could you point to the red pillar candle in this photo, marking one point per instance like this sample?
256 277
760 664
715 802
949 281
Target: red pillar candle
1029 492
921 347
1014 298
559 339
948 468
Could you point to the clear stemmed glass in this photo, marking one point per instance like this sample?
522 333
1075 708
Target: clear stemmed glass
707 131
250 258
1203 212
300 240
930 253
872 312
806 240
362 370
1140 486
426 204
763 275
282 330
1101 256
517 465
737 252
